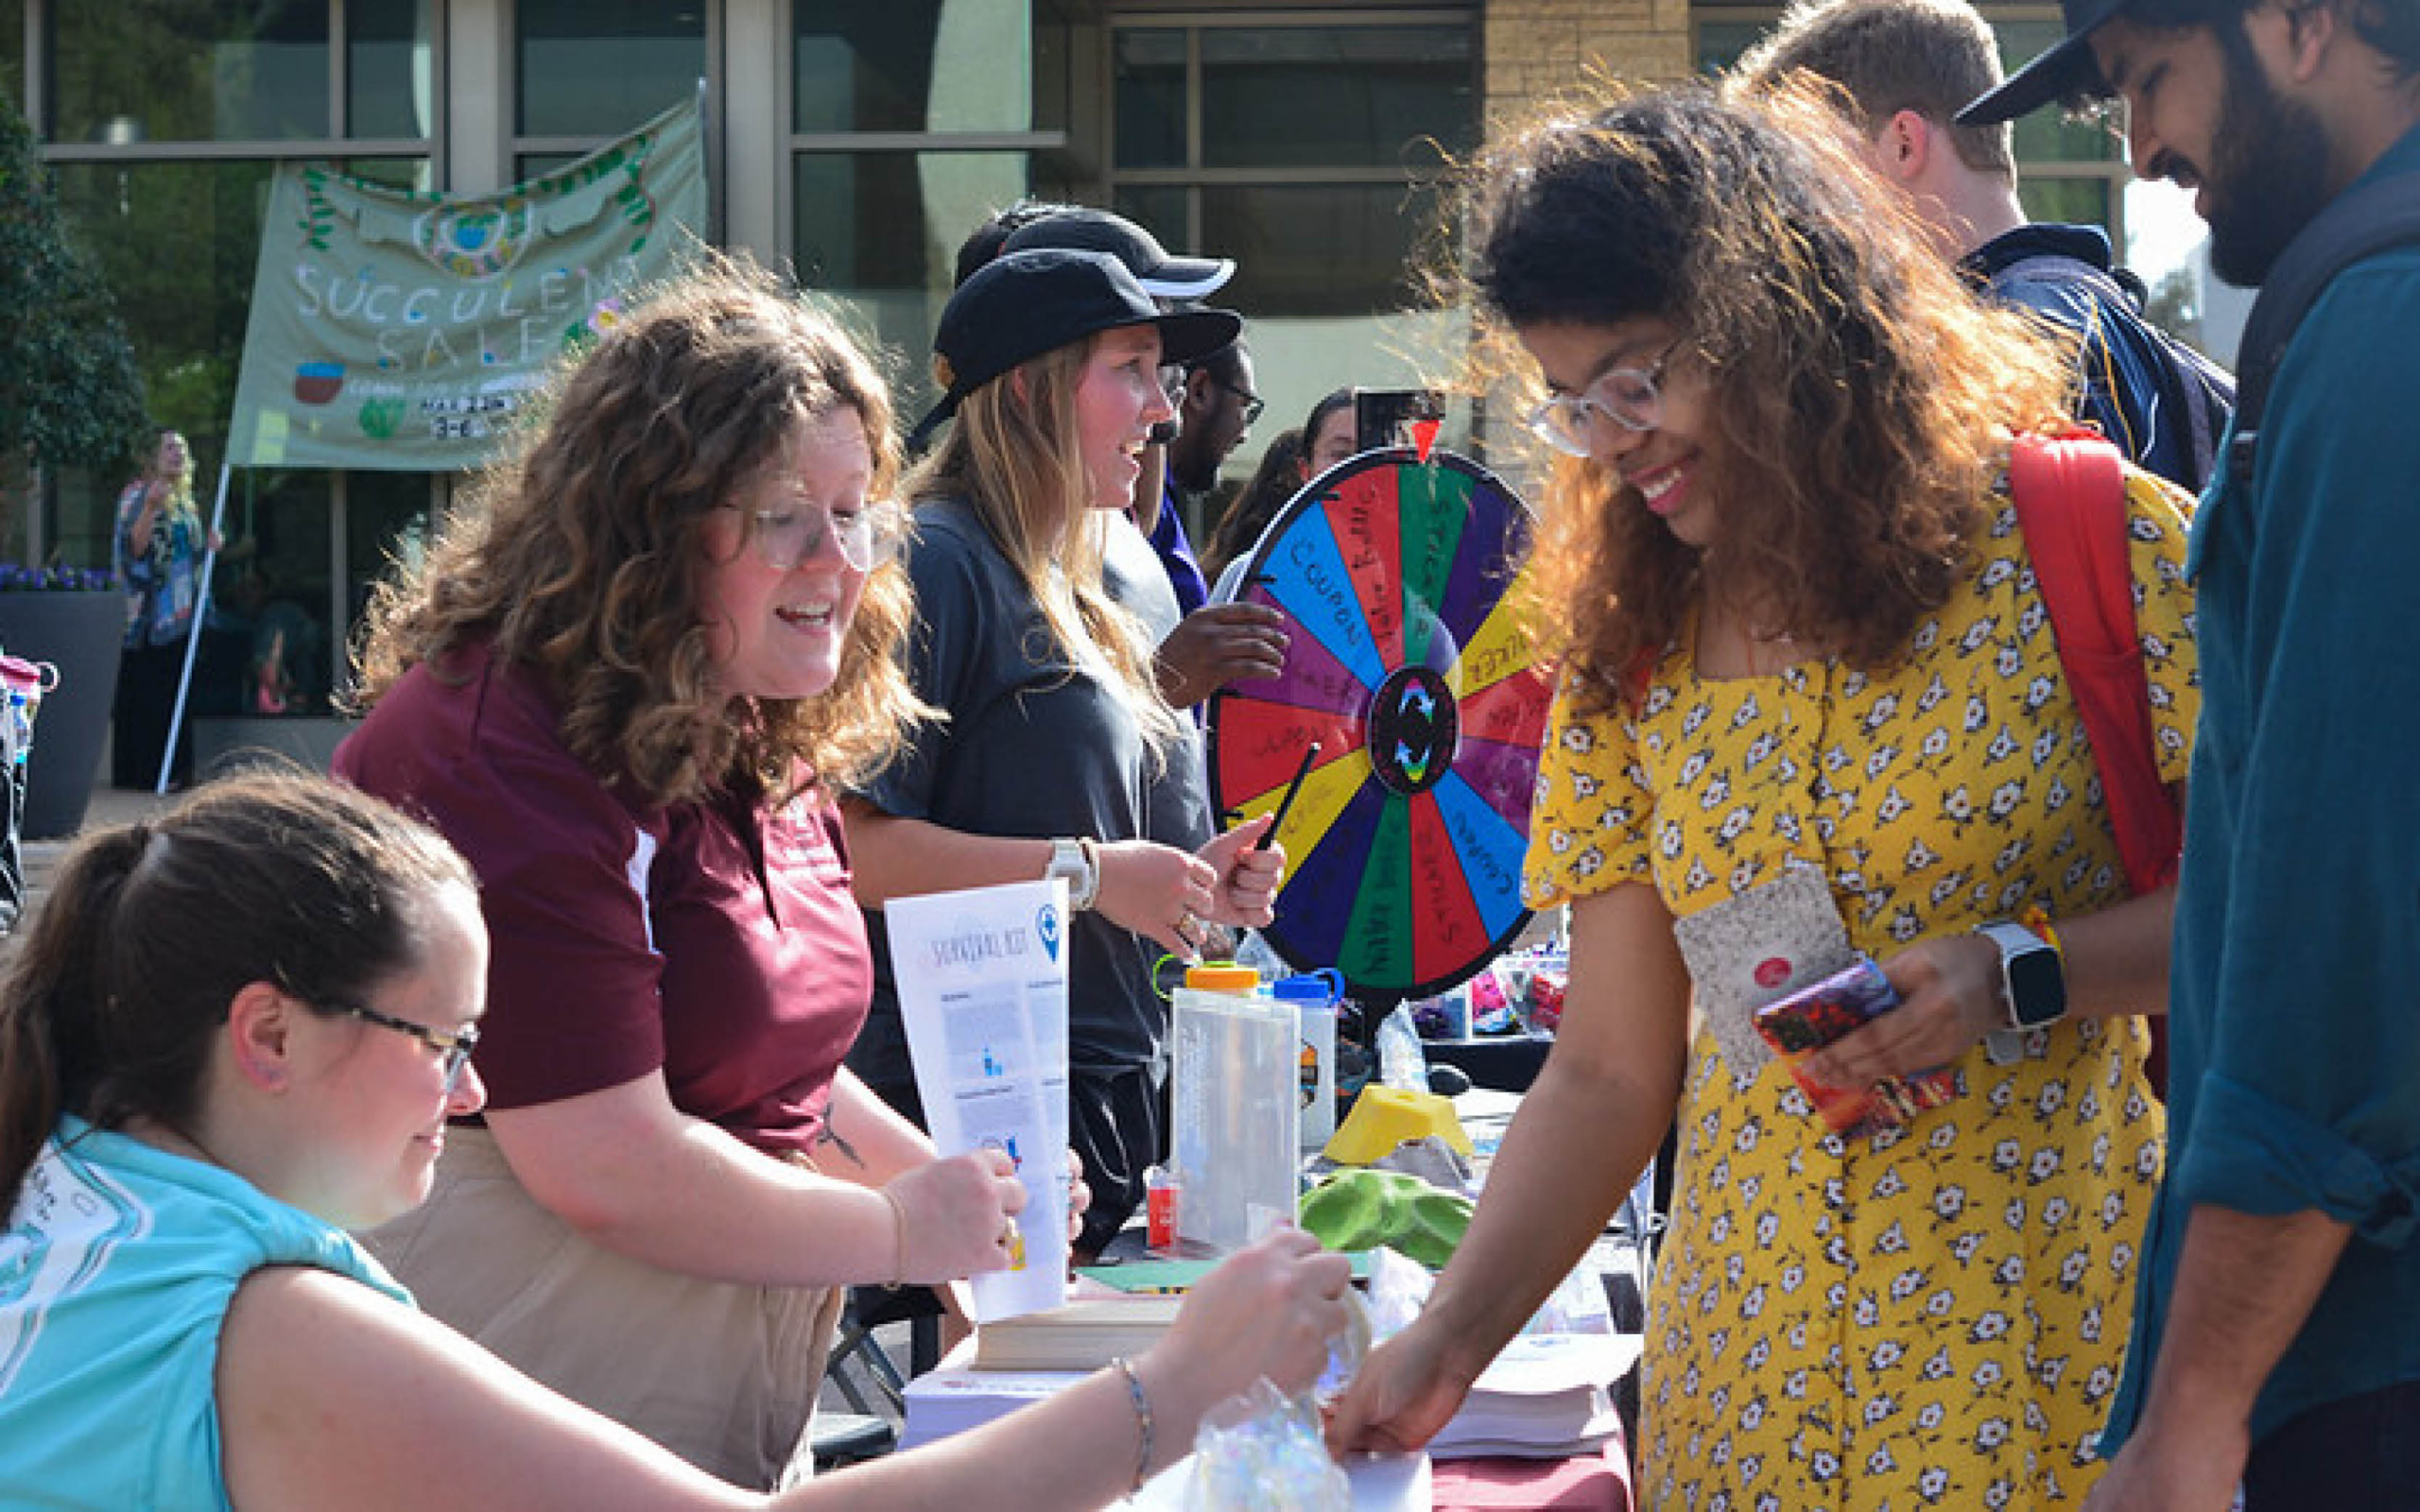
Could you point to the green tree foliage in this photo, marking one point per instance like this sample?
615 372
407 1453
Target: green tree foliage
2176 305
70 392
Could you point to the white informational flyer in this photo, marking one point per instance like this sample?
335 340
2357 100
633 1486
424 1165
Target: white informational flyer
982 980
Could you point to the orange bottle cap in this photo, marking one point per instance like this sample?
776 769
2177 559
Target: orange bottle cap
1224 976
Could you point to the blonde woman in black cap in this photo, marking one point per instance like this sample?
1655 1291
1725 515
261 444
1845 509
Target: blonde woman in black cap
1050 361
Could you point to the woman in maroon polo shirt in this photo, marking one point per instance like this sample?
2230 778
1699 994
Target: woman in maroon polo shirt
620 684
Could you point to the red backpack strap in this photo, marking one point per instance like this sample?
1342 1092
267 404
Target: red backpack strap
2070 495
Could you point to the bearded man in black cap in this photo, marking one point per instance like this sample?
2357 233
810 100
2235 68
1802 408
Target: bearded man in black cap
2276 1337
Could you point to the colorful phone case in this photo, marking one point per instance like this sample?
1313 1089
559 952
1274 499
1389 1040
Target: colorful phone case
1814 1016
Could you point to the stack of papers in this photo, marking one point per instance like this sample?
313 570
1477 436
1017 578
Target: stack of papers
1082 1335
1546 1397
957 1397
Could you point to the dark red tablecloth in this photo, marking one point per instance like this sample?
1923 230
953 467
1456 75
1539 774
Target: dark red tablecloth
1597 1484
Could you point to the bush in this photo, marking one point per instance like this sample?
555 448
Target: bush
70 392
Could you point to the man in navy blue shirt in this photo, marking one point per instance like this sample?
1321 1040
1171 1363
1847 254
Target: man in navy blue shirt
2277 1329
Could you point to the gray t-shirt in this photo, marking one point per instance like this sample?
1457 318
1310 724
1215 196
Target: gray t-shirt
1034 748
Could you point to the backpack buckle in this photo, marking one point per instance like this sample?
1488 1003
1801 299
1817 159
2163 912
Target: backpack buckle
2240 455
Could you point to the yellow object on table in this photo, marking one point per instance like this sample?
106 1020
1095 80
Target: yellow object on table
1384 1117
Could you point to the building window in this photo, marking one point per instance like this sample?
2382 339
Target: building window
590 70
165 122
2067 170
1302 144
1294 147
12 52
911 122
920 66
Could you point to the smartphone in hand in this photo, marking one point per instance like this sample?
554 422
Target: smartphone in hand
1814 1016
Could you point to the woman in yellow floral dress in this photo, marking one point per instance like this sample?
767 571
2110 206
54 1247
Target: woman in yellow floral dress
1800 635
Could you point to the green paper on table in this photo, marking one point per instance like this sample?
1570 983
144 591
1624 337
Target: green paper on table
1158 1277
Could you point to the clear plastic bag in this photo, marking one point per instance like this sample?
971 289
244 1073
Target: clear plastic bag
1263 1451
1402 1064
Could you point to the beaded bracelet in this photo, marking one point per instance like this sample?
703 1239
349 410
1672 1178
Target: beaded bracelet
1091 861
1142 1416
2038 921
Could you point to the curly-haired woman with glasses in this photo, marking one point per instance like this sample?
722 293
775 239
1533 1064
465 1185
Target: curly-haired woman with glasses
623 684
1809 700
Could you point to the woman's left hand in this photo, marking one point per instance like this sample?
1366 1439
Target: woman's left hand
1080 1196
1950 998
1245 895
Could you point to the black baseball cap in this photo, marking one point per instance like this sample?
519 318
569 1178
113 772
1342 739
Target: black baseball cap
2066 69
1161 274
1024 303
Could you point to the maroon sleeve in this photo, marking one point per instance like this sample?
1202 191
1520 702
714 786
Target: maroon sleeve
573 980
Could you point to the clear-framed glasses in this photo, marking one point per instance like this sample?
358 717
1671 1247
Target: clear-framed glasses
790 534
1631 397
454 1046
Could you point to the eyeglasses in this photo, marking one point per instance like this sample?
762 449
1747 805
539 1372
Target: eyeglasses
1631 397
455 1047
866 534
1253 403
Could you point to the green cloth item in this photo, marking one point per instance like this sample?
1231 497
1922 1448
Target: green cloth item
1358 1209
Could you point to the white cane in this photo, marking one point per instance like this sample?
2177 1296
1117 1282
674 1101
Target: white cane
193 636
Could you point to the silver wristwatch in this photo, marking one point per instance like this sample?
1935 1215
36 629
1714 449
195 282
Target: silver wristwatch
2033 984
1073 860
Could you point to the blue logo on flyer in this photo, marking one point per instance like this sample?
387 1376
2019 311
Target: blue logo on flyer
1047 924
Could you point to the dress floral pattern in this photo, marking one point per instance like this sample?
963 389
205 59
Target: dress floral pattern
1934 1315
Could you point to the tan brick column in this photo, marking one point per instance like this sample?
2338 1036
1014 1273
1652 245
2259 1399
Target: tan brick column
1537 48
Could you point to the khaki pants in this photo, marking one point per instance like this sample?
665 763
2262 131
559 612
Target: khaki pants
725 1376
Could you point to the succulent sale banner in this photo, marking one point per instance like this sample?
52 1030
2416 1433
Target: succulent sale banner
401 331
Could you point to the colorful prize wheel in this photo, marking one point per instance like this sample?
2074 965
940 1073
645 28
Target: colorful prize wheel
1404 664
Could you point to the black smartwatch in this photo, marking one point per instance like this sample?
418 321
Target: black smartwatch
2033 982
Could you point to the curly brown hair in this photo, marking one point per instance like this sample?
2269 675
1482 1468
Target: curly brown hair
1862 395
582 552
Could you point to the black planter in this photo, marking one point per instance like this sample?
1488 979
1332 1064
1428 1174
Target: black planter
80 634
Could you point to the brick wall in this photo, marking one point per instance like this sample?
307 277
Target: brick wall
1537 48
